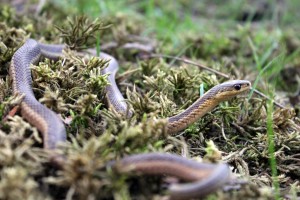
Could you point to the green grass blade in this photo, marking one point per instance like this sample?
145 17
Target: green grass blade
271 148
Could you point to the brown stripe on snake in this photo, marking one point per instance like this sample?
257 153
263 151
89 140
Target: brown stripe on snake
205 179
206 103
44 119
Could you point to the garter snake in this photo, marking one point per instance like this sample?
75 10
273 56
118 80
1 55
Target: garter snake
53 129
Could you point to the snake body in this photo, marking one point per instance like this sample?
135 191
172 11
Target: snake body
205 178
206 103
50 125
44 119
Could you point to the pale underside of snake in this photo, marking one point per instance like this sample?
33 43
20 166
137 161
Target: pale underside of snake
53 130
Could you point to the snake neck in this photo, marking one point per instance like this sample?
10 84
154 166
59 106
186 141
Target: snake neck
199 108
26 55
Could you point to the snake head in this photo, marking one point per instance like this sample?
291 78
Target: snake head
230 89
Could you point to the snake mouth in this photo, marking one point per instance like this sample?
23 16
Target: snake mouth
243 94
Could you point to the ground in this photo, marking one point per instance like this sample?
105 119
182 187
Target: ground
257 135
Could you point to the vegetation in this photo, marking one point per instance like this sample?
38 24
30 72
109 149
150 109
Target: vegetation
256 41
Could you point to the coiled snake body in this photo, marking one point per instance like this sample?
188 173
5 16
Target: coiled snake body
53 129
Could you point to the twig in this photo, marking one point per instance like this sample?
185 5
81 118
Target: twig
222 130
189 62
211 70
266 97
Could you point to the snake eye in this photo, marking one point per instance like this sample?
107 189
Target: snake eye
237 86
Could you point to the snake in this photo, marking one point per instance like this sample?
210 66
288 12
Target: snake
205 178
202 178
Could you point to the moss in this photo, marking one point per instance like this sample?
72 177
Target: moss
74 87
